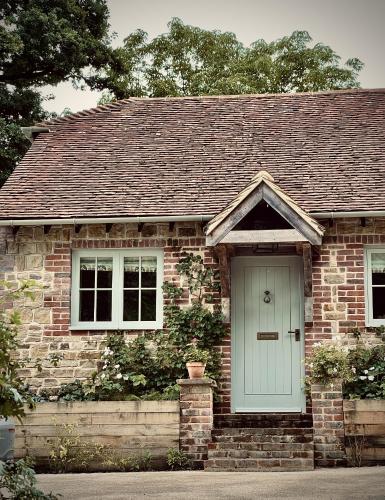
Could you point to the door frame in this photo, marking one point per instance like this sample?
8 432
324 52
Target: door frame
271 260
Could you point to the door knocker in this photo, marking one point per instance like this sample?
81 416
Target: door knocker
267 297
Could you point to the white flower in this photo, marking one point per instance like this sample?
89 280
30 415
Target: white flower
362 377
125 377
311 365
372 368
117 366
103 375
119 375
353 369
104 367
317 344
335 370
371 378
366 372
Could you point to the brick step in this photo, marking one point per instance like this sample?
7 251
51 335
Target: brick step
270 420
262 446
241 453
239 434
259 464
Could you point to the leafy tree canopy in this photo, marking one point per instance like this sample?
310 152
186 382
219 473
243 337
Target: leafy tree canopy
188 60
43 43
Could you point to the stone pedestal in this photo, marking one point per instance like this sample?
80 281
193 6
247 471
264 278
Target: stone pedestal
196 417
328 423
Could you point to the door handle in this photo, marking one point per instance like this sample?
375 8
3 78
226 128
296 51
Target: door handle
297 333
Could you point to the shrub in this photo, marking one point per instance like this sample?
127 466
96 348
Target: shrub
177 459
367 365
18 479
360 367
70 453
328 362
148 366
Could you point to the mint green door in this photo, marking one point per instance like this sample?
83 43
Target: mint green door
267 366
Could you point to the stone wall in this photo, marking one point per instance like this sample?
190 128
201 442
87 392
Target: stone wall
338 280
338 287
46 258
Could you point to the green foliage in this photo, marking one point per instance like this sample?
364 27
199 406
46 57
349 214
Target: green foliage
361 368
178 460
45 43
69 452
194 354
14 393
328 362
367 364
188 60
18 481
148 366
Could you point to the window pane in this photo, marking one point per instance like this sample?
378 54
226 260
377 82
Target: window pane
104 273
148 305
87 272
378 268
148 272
378 303
131 305
86 306
103 305
131 272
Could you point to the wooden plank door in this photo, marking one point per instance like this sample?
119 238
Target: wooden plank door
267 366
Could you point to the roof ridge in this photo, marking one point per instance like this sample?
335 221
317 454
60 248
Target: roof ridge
118 104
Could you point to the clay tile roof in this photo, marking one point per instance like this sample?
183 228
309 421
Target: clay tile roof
192 156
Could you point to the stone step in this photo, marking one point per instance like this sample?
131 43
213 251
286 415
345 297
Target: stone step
282 434
213 454
300 420
259 464
261 446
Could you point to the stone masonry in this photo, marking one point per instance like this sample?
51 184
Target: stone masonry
338 287
196 418
46 258
328 425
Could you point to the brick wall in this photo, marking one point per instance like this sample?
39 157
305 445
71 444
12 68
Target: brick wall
338 287
338 280
46 258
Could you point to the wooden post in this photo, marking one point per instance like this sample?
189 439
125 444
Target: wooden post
224 253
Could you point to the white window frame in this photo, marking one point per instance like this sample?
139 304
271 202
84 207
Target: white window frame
116 322
369 320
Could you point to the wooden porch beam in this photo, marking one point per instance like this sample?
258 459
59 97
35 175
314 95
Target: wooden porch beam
308 282
264 236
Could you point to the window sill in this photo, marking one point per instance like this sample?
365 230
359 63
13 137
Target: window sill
153 326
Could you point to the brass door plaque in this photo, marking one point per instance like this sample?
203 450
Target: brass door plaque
267 335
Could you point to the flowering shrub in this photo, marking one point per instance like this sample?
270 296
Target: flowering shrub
328 362
368 373
360 367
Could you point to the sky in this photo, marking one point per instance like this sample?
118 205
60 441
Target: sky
353 28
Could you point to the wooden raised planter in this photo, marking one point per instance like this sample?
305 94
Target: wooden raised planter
365 431
127 427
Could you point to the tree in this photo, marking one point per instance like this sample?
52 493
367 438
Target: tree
191 61
43 43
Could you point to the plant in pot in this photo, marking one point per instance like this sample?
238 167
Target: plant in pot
196 359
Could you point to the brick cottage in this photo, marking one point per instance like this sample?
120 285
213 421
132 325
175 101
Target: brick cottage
283 194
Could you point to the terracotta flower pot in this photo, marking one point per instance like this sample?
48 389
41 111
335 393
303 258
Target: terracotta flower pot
196 369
